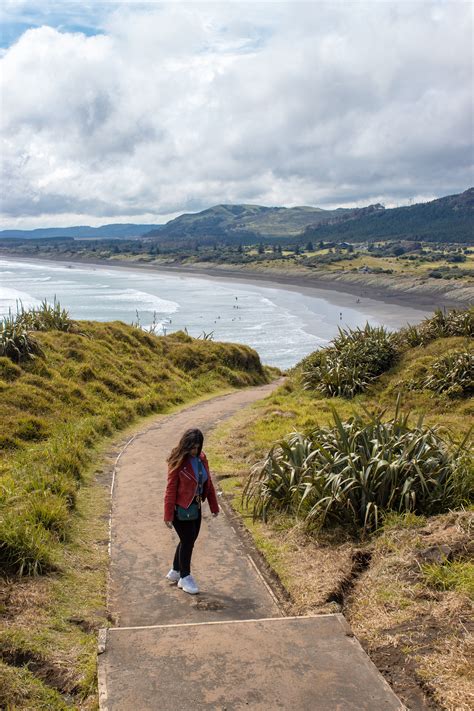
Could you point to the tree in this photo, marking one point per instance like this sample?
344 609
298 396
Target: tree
398 250
321 245
309 247
261 249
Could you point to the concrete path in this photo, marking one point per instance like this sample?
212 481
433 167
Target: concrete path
142 548
287 664
229 647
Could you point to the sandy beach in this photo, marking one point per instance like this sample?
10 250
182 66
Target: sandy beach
365 298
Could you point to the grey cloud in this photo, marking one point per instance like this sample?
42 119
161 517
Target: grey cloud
182 106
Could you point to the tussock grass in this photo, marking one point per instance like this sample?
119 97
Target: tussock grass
452 375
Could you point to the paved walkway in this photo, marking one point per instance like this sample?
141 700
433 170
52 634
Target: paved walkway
229 647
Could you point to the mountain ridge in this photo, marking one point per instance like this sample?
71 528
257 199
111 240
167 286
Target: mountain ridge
445 219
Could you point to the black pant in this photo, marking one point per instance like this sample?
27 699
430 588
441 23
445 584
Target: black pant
187 531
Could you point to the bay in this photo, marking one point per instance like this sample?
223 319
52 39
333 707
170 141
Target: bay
282 323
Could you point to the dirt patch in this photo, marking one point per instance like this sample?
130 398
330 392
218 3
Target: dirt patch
52 675
360 562
401 674
22 600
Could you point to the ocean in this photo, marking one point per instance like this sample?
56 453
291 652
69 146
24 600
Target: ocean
282 324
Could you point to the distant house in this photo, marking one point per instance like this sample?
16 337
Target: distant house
364 270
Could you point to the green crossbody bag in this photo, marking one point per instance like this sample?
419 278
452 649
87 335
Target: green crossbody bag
189 514
192 512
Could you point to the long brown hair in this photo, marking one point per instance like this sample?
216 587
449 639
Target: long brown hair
191 438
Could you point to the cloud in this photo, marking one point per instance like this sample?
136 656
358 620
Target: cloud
164 108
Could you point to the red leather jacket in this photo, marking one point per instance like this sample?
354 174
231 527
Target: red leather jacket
181 488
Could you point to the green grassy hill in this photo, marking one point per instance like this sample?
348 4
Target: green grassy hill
234 224
59 411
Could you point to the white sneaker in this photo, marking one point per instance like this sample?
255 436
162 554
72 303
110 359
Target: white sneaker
188 584
173 575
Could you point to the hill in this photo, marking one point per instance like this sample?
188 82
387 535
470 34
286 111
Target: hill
113 231
246 224
448 219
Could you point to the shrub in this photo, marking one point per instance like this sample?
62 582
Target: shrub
452 375
16 342
354 472
349 365
46 317
443 324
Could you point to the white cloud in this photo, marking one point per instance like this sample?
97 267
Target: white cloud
175 107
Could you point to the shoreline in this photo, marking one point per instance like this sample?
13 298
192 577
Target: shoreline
374 301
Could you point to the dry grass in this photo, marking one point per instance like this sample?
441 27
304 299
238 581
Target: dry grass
395 611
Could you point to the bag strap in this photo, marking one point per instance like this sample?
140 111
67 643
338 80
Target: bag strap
200 477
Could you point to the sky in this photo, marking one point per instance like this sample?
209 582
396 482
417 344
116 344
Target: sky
140 111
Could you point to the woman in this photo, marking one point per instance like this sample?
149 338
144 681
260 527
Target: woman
189 484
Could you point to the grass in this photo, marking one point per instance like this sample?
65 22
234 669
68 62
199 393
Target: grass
60 413
451 575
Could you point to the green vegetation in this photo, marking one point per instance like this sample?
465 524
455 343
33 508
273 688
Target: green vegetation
443 220
353 360
86 382
451 575
443 324
86 385
16 341
353 473
452 375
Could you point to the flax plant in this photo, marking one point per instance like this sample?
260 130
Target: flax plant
353 360
452 375
16 342
355 471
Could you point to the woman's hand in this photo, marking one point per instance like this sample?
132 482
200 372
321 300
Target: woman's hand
215 514
169 524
